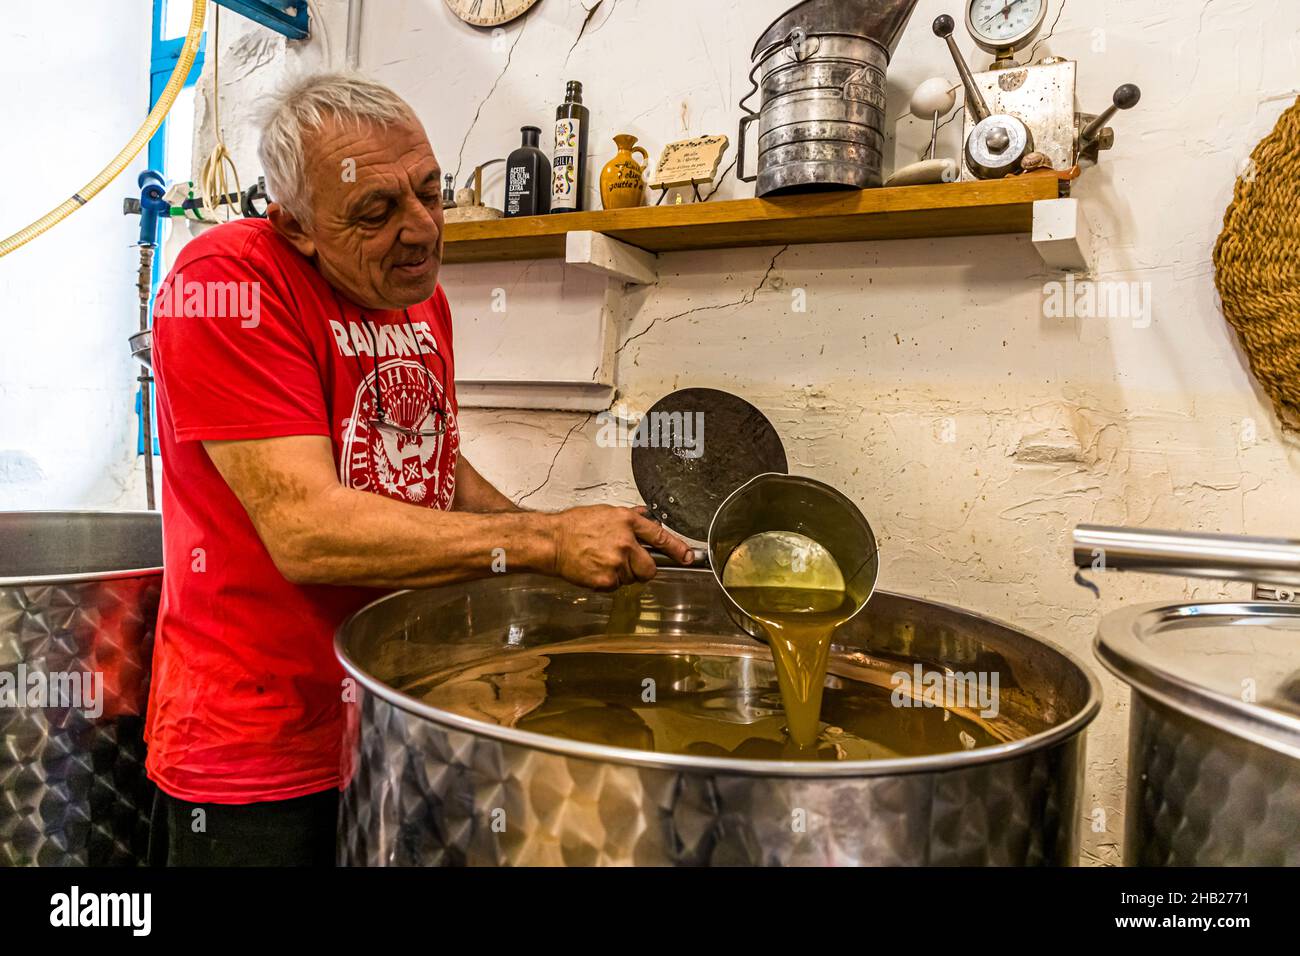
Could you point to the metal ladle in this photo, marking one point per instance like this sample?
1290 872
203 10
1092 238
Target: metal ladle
732 491
786 511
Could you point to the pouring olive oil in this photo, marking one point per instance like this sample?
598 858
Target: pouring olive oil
794 588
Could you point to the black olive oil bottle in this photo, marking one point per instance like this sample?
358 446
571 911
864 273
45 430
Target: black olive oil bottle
569 161
528 178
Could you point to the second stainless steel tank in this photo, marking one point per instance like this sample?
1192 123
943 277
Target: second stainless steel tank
78 601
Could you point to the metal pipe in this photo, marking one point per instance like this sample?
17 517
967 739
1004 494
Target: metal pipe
1224 557
143 287
355 8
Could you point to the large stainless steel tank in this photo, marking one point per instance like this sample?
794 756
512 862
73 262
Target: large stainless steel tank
1214 735
78 602
1214 728
820 70
426 786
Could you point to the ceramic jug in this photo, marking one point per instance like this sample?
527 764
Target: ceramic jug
622 181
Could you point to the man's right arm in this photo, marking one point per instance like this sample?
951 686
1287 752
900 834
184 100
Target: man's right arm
318 531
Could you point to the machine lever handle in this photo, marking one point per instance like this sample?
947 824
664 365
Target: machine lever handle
1126 97
975 104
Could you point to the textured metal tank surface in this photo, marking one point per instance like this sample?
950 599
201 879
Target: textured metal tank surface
428 787
820 69
78 602
1214 734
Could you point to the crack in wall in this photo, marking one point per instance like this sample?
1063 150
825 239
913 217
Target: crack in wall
745 299
510 55
587 22
717 183
556 457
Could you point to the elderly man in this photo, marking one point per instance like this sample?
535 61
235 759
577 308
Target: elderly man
311 455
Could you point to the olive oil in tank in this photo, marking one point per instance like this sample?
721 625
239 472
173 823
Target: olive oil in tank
707 700
703 697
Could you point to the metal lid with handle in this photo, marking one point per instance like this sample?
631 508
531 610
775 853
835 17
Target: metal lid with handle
1235 666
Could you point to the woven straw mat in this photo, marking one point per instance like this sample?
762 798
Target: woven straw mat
1257 265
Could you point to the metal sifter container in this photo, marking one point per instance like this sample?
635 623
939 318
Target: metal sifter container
820 72
424 785
78 602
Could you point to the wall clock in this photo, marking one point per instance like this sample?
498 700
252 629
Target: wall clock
490 13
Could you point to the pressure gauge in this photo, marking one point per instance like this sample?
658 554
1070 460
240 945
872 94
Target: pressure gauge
1002 27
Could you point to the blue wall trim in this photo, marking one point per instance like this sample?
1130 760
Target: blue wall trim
275 15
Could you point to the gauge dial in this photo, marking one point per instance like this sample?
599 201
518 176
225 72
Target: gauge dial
490 13
1001 25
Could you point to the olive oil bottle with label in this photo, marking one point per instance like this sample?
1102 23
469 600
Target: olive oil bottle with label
569 160
528 178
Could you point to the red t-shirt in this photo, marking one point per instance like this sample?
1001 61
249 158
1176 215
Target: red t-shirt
251 342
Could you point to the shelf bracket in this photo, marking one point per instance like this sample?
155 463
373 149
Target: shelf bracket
597 252
287 17
1061 235
534 395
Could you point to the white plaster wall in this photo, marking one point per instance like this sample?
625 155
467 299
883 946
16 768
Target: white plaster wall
924 379
75 81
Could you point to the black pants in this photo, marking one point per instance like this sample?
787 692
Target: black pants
297 832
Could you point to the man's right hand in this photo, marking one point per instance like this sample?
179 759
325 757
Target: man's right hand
604 547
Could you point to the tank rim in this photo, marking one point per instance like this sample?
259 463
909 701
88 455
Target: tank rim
937 763
1124 655
84 577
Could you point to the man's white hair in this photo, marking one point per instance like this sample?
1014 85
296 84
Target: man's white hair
300 109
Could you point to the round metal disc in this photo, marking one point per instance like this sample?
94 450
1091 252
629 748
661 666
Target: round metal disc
695 447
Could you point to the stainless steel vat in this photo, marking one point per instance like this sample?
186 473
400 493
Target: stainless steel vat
78 596
425 786
820 71
1214 726
1214 736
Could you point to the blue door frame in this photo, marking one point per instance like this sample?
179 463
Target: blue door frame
164 54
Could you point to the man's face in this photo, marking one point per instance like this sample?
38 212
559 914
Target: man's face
376 232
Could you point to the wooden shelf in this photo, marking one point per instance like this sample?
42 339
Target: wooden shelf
909 212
